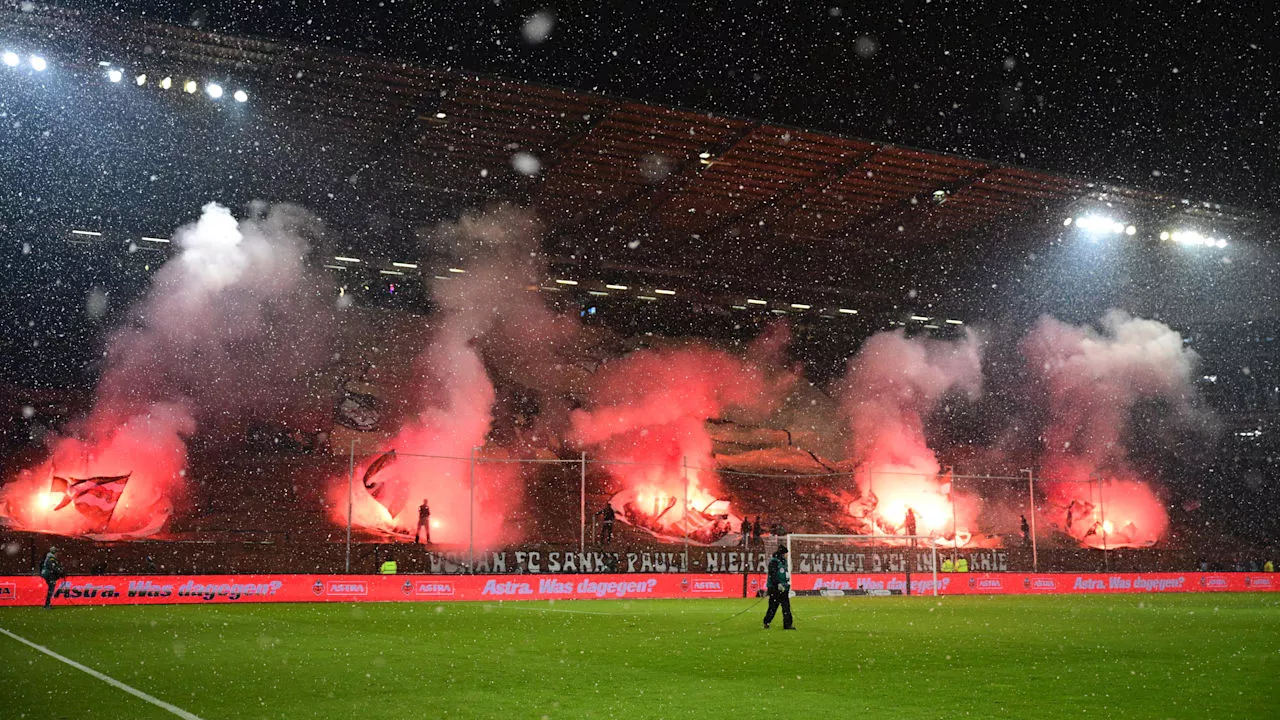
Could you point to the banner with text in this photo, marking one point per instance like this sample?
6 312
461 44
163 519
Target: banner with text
196 589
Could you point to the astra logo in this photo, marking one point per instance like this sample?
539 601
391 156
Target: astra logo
434 589
706 586
347 588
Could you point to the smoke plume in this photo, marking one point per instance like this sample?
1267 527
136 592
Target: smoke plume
487 304
647 415
890 388
1092 381
226 329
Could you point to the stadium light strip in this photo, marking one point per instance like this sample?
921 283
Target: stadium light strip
390 272
955 322
89 233
457 270
920 318
408 266
341 258
155 239
598 293
617 287
336 267
753 301
800 306
646 297
848 311
665 292
560 281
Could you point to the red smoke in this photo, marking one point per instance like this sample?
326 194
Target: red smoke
226 327
890 387
1103 511
455 394
647 418
1093 379
149 447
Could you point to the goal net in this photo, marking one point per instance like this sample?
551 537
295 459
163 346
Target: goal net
915 556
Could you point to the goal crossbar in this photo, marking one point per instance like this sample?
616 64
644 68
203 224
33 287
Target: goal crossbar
922 542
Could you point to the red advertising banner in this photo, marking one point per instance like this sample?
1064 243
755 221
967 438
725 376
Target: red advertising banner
195 589
1041 583
168 589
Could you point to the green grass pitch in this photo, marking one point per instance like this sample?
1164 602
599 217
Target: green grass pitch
1118 656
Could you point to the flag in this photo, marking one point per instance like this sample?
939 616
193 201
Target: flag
94 497
391 498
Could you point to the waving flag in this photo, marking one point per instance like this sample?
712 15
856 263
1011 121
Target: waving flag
94 497
391 498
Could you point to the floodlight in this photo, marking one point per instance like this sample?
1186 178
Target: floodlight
115 75
141 80
37 63
166 83
214 90
241 96
190 87
11 58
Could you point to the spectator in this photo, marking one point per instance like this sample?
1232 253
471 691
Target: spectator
746 533
424 524
607 516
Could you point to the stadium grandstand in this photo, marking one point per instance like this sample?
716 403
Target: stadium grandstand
654 225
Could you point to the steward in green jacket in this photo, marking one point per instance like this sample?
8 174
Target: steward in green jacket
779 589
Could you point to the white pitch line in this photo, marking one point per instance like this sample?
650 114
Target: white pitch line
105 678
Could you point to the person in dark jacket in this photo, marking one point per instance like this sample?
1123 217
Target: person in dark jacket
779 587
423 532
51 571
607 515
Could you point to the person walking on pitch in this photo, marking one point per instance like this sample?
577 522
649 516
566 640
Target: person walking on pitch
779 587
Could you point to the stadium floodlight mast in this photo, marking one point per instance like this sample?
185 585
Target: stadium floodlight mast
916 542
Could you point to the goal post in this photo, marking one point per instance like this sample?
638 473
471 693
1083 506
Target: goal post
878 542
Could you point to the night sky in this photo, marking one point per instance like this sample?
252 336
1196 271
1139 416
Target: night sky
1175 96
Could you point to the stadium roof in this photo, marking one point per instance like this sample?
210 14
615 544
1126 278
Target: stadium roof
624 186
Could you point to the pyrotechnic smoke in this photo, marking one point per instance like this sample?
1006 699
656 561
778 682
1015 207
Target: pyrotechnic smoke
226 327
890 388
648 413
486 304
1092 381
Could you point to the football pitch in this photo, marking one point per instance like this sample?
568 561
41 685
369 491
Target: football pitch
1118 656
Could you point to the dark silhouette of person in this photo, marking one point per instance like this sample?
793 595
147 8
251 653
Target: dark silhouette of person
746 533
51 571
756 529
779 587
1026 532
607 515
424 524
